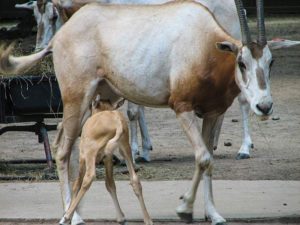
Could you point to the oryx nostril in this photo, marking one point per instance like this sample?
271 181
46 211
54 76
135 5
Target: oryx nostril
265 108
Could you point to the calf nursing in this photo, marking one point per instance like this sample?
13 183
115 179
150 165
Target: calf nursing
105 131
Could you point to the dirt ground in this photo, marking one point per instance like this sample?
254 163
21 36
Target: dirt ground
276 153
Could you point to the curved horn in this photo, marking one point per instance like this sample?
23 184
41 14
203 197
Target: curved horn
261 36
246 37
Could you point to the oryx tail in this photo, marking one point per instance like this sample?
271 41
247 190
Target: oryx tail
13 65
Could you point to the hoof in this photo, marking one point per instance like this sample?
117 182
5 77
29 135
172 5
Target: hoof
141 160
186 217
221 223
242 156
79 223
252 145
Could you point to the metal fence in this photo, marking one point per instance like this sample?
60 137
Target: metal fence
275 6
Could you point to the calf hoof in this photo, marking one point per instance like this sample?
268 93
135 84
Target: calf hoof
242 156
186 217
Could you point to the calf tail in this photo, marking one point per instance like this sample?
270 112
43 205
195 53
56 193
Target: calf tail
14 65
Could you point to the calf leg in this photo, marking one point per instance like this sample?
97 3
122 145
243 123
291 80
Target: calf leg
111 188
82 184
146 142
134 179
203 160
210 129
244 152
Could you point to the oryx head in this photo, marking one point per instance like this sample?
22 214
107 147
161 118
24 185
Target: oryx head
253 63
46 18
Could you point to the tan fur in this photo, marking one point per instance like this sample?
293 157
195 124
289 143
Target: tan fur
102 133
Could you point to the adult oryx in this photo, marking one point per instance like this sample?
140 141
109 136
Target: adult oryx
172 55
223 10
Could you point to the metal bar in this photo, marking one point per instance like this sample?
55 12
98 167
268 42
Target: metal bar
47 149
29 128
24 161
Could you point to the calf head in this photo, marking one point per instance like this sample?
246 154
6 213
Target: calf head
46 18
99 105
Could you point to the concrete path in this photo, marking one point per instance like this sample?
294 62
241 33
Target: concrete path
234 200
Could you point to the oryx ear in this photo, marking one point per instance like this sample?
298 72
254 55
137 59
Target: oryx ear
279 43
227 47
28 5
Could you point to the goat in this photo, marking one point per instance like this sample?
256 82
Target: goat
105 131
172 55
46 17
225 14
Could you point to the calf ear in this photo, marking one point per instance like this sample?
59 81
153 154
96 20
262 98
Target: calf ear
119 103
227 47
96 102
279 43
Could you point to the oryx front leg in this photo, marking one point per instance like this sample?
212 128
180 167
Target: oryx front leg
210 129
202 163
244 152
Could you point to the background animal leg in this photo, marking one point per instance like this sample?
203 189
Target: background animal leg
202 162
244 152
210 129
132 113
146 142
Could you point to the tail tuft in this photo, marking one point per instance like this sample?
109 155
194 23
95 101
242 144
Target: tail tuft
12 65
6 66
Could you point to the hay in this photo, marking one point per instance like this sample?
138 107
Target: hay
43 68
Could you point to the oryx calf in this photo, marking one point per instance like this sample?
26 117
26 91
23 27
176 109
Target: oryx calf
105 131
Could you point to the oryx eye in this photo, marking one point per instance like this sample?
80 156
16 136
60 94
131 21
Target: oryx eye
242 65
